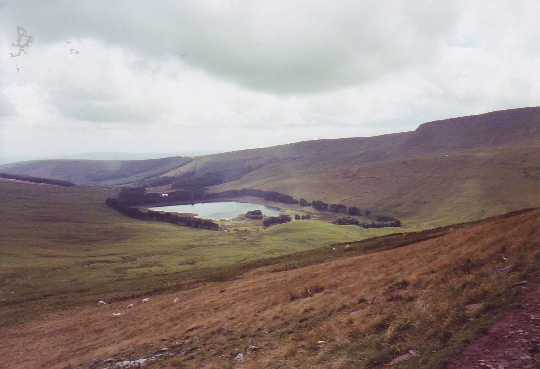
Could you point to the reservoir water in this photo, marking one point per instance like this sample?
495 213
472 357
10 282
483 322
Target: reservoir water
218 210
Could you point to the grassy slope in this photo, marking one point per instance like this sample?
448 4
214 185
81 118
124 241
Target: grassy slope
444 172
425 190
366 309
63 246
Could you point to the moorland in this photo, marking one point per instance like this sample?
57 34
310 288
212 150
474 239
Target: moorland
85 286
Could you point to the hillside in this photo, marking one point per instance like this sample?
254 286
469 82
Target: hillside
300 295
62 246
104 172
444 172
447 171
410 300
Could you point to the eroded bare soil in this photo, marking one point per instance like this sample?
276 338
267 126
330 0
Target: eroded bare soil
513 342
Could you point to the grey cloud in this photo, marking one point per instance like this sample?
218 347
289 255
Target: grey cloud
6 107
359 68
279 46
104 112
98 106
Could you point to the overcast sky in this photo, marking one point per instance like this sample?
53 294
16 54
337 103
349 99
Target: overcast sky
214 75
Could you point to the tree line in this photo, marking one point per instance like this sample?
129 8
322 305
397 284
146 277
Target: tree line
376 221
146 214
280 219
139 196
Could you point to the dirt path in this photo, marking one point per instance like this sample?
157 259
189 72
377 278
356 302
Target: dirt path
512 343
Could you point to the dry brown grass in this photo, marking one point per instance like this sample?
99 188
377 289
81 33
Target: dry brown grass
63 247
367 310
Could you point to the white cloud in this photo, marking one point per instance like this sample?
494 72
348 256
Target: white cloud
279 46
6 107
218 75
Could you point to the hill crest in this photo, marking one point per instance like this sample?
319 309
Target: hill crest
445 171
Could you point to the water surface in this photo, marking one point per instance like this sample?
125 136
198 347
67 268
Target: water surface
218 210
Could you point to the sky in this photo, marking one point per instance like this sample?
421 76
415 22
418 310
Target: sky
138 76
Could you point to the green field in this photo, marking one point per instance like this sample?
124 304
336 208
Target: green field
65 245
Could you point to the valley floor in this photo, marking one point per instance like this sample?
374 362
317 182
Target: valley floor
63 247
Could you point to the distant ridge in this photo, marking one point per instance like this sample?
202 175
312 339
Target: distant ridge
499 128
446 171
38 180
103 172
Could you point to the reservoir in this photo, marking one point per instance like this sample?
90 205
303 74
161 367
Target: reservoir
218 210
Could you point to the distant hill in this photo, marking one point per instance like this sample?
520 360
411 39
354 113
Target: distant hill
102 172
445 171
29 179
133 156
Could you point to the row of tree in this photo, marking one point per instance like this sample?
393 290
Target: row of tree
192 187
267 195
336 208
377 223
280 219
254 214
145 214
139 196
